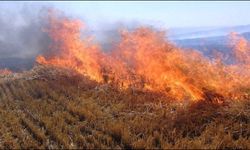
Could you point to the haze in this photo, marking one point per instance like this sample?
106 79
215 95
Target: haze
21 22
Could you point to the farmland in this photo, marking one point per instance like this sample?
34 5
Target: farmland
49 107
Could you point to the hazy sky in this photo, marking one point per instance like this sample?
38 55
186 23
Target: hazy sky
167 14
21 22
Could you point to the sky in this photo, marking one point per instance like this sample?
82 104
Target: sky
21 23
163 14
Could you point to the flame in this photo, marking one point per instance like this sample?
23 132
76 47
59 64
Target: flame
145 60
241 48
5 71
75 53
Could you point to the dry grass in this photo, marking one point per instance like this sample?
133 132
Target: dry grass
54 108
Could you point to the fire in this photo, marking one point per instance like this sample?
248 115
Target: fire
5 71
74 52
241 48
145 60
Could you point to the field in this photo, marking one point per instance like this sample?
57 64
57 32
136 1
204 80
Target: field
49 107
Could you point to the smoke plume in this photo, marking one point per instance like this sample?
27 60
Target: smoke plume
21 36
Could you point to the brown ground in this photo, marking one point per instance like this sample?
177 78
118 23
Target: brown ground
56 108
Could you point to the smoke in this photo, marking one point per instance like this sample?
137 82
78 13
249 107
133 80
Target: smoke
21 32
108 35
21 35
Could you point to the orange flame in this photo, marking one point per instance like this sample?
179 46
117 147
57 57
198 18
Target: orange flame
5 71
241 48
144 59
75 53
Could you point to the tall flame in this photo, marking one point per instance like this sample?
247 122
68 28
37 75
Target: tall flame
144 59
74 52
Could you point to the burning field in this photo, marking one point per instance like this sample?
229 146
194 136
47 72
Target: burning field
144 60
145 92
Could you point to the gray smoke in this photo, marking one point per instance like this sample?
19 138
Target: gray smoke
21 35
108 34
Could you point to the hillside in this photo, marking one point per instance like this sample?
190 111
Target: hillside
50 107
208 45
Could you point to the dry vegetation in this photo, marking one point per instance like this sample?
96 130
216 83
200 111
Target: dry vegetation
56 108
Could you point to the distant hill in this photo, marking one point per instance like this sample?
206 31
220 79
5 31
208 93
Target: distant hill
208 44
201 32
